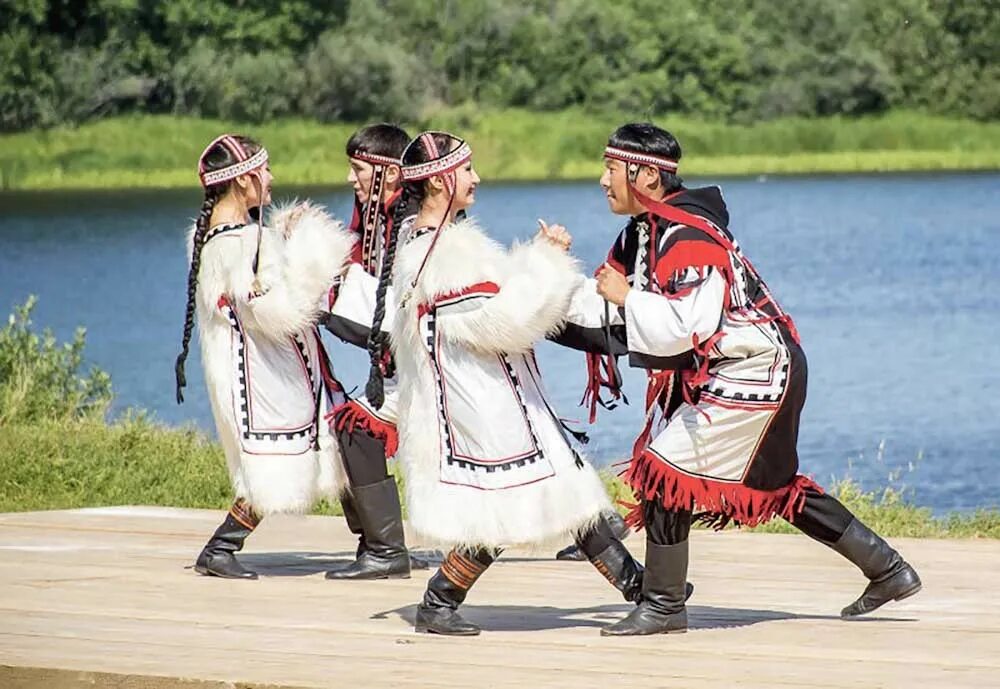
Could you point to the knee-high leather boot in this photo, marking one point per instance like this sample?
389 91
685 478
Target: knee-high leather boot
662 609
446 590
890 576
385 555
218 557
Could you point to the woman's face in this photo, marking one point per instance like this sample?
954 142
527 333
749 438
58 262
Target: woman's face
256 185
466 181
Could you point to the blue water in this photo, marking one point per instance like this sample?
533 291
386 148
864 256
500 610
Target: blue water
894 283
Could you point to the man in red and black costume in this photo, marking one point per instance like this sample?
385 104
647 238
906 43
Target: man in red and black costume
726 383
368 435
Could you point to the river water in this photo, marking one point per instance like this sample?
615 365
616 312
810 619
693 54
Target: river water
893 281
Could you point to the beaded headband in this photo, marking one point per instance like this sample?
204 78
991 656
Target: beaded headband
242 166
375 159
641 158
438 166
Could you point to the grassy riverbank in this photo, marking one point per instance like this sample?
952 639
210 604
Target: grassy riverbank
58 451
160 151
66 464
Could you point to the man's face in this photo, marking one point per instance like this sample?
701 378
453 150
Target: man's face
614 181
359 176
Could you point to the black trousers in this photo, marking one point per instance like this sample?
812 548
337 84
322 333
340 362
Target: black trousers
823 518
364 457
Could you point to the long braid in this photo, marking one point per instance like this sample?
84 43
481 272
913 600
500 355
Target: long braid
377 340
212 195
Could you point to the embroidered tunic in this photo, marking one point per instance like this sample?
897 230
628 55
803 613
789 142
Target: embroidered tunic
726 374
268 377
487 459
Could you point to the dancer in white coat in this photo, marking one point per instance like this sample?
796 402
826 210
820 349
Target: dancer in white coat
256 292
487 460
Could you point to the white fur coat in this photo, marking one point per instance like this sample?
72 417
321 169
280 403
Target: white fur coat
262 354
487 462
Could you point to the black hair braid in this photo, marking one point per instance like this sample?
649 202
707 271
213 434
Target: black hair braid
377 340
212 195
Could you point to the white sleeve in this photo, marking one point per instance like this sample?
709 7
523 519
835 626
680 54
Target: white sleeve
529 305
351 315
309 260
662 326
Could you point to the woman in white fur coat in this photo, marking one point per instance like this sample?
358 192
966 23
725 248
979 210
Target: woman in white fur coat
487 460
256 293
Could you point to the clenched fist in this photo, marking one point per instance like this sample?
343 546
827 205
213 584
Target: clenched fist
612 285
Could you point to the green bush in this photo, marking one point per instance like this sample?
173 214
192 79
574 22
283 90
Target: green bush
739 61
352 78
40 379
238 86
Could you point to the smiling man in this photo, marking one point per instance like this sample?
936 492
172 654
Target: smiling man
726 383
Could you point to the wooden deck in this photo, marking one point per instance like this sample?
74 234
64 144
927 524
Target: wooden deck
104 597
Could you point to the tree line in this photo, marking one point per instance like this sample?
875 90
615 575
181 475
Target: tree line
66 61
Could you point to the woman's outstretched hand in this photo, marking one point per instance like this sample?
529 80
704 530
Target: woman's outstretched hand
557 234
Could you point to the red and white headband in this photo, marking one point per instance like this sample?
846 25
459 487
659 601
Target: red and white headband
244 164
375 159
439 165
627 156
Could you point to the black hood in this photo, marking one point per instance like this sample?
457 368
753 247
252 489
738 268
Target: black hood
704 201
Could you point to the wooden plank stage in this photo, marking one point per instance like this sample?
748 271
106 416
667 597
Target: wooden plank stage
104 597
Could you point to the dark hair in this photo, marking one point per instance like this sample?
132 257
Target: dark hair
412 197
381 139
646 137
215 158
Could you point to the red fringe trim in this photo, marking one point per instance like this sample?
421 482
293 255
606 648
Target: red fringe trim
718 502
352 415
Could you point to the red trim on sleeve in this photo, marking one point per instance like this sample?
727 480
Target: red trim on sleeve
483 288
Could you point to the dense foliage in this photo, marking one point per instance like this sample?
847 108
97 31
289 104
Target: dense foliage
64 61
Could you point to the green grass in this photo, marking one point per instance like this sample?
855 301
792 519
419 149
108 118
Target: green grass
161 151
68 464
58 452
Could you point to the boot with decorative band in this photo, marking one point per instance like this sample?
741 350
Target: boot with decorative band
662 609
446 590
618 527
218 557
616 564
386 556
890 576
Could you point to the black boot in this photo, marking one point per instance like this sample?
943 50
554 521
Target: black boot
386 556
217 557
661 610
618 526
446 590
618 566
890 576
353 522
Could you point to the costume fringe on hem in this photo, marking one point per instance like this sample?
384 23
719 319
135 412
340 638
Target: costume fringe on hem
717 503
352 415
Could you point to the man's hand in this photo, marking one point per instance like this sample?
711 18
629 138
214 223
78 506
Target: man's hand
612 285
557 234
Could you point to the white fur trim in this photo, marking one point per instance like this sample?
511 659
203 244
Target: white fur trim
535 285
298 271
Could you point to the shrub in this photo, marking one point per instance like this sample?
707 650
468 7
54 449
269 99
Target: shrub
40 379
357 78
